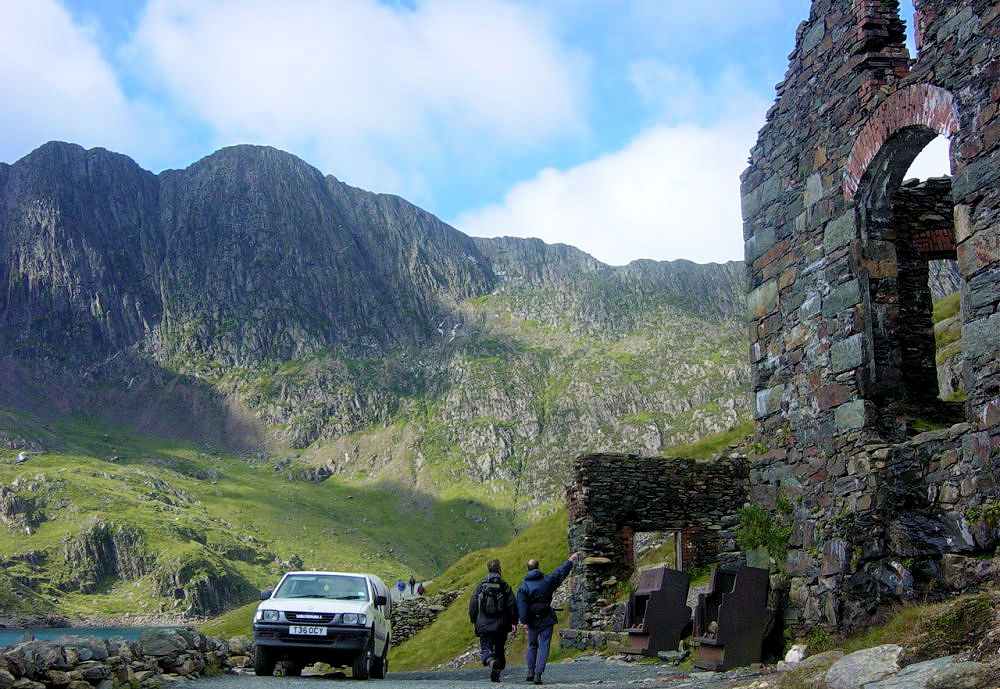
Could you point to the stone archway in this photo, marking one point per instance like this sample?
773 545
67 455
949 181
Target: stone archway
903 229
916 113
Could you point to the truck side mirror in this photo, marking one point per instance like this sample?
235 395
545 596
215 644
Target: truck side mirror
264 595
380 600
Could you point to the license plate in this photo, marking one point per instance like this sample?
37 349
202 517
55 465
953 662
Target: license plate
307 631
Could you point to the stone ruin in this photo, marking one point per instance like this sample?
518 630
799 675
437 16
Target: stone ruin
613 497
839 248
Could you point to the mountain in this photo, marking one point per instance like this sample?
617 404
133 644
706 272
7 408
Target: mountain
204 370
249 301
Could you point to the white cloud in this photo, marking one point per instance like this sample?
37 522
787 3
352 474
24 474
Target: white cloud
56 84
673 192
676 93
352 80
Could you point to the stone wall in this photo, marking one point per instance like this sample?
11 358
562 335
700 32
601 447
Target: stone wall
159 658
410 615
612 497
837 252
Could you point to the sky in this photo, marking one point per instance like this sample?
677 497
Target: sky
618 126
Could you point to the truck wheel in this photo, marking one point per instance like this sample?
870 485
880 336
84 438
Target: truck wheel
380 666
263 662
293 669
361 665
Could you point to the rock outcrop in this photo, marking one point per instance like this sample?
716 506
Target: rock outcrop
101 551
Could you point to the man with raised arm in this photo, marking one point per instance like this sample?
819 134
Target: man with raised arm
534 606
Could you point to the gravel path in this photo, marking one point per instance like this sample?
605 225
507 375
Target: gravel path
589 672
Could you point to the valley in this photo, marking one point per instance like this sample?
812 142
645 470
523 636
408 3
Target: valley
218 373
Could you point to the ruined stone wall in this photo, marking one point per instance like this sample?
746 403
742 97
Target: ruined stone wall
838 323
613 496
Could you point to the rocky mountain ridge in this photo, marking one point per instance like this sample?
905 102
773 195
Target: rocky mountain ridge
346 327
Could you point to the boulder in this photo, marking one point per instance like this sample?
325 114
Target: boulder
93 671
162 642
810 673
960 573
960 676
857 669
85 647
57 678
240 646
796 654
25 683
914 676
33 658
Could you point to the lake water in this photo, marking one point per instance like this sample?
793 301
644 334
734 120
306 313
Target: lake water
10 636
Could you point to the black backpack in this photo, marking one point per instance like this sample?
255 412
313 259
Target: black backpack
539 605
491 599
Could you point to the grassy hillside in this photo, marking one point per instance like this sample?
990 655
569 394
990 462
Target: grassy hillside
110 523
451 634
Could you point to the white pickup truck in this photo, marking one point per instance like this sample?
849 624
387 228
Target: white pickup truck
339 618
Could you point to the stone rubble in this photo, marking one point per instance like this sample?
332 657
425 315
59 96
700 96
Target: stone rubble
159 658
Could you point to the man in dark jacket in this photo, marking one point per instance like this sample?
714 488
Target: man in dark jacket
493 611
534 606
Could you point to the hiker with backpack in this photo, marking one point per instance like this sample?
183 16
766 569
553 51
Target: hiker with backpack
534 605
493 611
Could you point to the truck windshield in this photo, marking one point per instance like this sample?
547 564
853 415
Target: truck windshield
336 586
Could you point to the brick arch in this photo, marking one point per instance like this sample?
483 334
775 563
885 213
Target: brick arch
919 105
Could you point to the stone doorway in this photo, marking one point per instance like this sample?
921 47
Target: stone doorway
909 250
656 548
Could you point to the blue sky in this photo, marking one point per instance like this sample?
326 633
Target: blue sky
620 127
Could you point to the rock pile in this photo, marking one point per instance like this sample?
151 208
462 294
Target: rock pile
411 615
157 658
880 668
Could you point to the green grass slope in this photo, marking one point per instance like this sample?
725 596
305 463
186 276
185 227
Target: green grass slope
200 521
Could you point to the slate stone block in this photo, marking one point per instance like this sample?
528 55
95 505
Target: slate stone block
769 400
981 337
759 243
850 416
763 300
847 354
839 232
814 189
844 297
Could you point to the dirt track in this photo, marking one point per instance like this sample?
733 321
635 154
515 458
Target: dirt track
588 672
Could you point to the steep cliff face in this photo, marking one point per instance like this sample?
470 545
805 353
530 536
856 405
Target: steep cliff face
267 260
80 247
350 326
247 255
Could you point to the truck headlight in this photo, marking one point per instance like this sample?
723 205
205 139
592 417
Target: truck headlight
353 618
267 615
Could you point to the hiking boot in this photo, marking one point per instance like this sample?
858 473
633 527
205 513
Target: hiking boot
488 662
538 679
494 671
530 678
